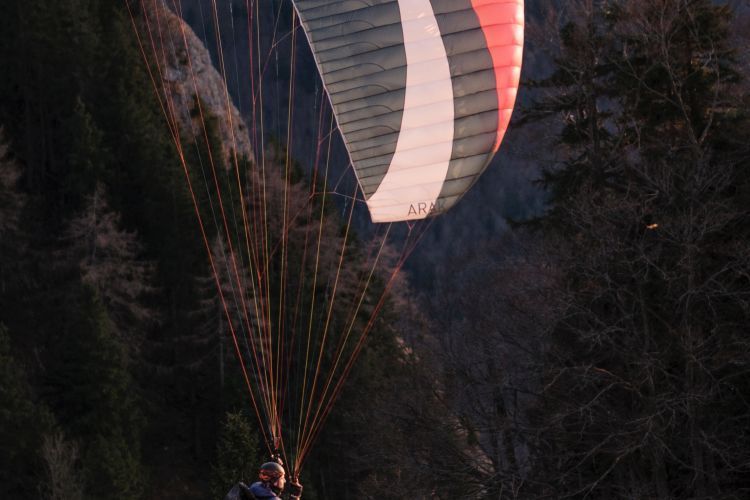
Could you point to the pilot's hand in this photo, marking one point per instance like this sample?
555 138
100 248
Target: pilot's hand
295 489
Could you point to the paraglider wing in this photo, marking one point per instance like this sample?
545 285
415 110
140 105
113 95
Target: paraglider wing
422 91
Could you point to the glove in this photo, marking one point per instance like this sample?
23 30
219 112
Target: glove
295 490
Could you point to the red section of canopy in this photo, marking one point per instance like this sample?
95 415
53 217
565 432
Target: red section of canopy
502 22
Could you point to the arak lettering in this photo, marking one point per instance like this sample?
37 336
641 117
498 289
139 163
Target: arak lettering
423 208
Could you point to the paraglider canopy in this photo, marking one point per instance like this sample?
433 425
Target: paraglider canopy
422 91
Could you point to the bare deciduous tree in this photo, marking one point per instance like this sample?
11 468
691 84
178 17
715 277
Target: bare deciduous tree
644 374
110 260
62 478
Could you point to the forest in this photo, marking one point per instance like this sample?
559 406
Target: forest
593 344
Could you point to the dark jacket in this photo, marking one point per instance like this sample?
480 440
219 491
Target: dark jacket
263 492
240 491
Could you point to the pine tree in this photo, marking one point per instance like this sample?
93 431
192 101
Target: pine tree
86 157
91 392
12 202
212 336
50 59
237 454
23 421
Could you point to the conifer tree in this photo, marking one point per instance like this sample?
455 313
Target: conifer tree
12 202
86 157
22 423
237 454
212 336
90 390
50 59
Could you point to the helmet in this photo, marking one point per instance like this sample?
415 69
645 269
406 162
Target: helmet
270 471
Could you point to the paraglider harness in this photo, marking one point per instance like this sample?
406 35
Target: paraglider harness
245 493
240 491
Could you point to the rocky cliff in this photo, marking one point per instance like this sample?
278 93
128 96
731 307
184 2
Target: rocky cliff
188 75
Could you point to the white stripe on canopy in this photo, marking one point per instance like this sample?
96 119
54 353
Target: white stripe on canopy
417 172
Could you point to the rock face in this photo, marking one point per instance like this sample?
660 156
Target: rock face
189 77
